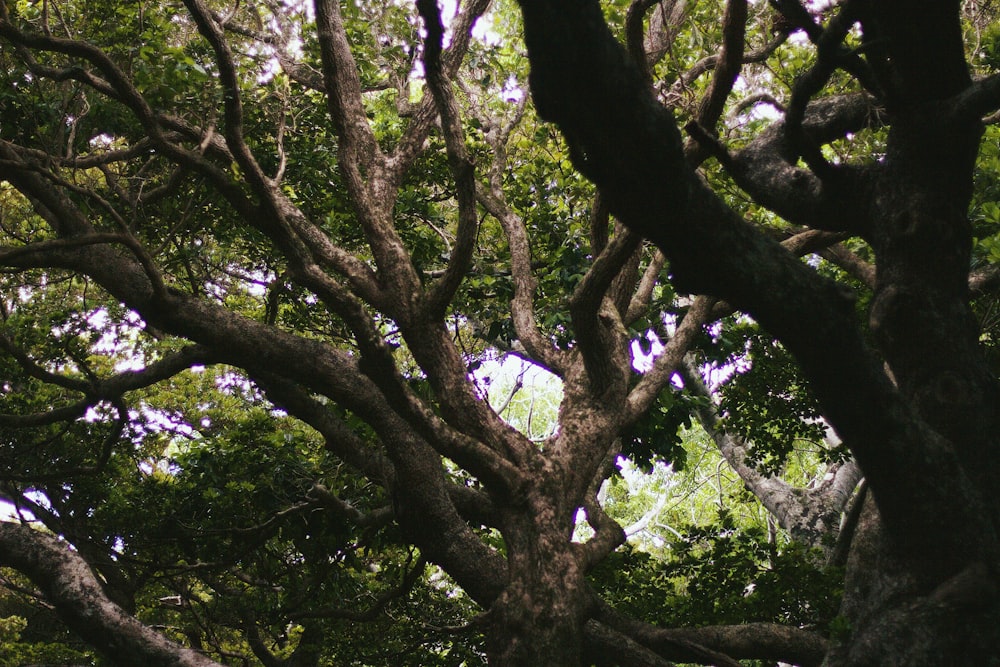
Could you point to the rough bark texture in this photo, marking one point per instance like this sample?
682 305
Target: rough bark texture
69 584
939 423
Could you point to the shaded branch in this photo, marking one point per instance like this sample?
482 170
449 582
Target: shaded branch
69 585
599 331
982 98
855 266
721 644
38 254
459 162
421 118
630 147
609 648
709 63
410 578
767 171
727 68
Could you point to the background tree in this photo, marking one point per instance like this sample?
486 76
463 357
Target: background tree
276 275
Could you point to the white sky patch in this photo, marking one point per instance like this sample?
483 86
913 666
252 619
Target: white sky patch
526 396
643 361
8 512
159 421
512 90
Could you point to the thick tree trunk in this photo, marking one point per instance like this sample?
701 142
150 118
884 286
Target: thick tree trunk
539 617
906 607
893 622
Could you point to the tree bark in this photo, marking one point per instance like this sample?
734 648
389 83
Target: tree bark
69 584
539 617
930 472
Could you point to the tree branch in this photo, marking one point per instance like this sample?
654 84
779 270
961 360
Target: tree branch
669 360
522 307
599 331
767 171
459 161
68 583
728 67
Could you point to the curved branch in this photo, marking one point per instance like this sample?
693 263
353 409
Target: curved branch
767 171
69 585
599 331
214 33
828 48
119 87
34 370
727 69
541 351
635 33
709 63
34 254
608 533
422 117
117 84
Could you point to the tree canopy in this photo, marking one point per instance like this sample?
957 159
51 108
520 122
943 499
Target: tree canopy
555 333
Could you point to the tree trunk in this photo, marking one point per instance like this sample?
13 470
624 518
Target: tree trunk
905 606
539 617
892 621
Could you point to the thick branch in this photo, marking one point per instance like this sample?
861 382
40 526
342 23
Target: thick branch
599 331
343 87
716 644
767 171
68 583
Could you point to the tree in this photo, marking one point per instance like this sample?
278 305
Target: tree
255 255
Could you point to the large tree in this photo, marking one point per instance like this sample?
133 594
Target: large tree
255 257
